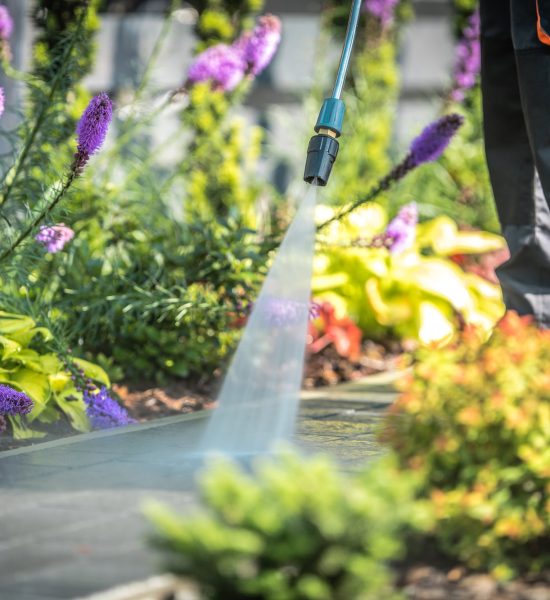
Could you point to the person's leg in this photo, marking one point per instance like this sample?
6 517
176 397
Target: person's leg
522 209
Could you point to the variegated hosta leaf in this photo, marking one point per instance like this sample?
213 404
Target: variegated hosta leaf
409 294
443 236
93 371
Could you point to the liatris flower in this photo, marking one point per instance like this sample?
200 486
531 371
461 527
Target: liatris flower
401 231
103 411
6 29
467 59
92 129
434 139
13 402
383 10
259 46
6 23
54 237
2 101
426 147
221 64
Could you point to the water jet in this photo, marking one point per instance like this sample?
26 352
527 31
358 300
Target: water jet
259 399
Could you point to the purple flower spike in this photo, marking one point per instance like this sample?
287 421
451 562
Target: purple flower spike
259 47
433 141
467 59
2 101
6 23
13 402
383 10
221 64
54 237
103 411
401 231
92 129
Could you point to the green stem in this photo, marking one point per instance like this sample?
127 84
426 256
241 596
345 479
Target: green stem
40 217
381 186
43 111
396 174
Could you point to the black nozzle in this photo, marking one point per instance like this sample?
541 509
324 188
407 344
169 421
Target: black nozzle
321 154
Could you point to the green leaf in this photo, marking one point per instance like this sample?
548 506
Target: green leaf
9 347
21 431
43 363
71 403
92 371
35 385
11 323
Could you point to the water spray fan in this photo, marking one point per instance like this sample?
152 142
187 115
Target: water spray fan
323 147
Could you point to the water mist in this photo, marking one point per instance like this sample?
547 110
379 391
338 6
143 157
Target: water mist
259 399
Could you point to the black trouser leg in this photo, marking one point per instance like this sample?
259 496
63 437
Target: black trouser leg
515 147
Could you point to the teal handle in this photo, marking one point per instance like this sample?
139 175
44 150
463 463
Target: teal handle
331 116
347 49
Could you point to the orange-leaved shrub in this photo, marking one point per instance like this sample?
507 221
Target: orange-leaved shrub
474 418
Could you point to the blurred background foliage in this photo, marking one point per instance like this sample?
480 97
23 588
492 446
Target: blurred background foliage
168 256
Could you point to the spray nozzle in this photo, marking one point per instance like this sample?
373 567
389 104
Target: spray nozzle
323 147
321 154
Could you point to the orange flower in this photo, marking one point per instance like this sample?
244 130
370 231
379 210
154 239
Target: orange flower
512 324
471 416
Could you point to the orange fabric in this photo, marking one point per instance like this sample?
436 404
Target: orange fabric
543 36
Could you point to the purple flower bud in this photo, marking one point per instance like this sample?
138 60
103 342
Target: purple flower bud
221 64
92 129
314 310
103 411
433 140
467 59
258 48
13 402
54 237
383 10
6 23
401 231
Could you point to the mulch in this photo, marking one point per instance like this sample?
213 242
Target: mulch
329 368
424 582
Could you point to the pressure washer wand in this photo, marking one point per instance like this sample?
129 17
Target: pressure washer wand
323 147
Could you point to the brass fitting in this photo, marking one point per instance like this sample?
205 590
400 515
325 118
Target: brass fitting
329 132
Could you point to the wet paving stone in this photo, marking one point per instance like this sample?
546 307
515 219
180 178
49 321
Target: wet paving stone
71 511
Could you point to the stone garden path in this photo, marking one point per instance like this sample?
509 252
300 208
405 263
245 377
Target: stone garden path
70 510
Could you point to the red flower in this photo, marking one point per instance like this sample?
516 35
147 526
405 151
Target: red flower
343 333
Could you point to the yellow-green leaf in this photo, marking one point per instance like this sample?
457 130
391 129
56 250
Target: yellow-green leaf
35 385
93 371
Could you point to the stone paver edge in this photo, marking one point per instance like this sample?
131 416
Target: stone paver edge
353 391
94 435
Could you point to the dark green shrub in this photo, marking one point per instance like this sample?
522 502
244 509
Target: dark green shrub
298 530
